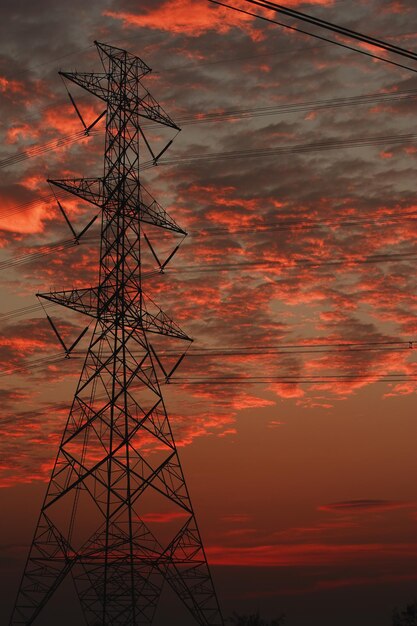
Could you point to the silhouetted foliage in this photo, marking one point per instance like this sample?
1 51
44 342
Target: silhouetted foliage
405 617
255 620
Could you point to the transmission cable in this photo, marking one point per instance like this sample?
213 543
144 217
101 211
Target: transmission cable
256 228
296 380
37 364
24 311
341 30
44 251
305 223
336 347
217 267
282 150
54 144
34 365
233 114
304 263
316 36
281 109
351 349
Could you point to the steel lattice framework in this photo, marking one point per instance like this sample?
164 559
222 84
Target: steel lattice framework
118 447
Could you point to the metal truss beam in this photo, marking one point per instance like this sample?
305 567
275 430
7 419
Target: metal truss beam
117 460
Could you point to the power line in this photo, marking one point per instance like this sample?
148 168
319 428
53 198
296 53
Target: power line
223 60
216 267
307 263
24 311
307 224
302 223
282 349
280 50
307 347
341 30
243 113
318 343
216 117
295 380
347 349
257 228
26 206
33 365
283 150
301 348
42 252
36 202
316 36
38 150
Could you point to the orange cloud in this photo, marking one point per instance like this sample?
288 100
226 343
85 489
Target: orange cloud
13 86
286 391
27 222
185 17
63 119
397 6
21 132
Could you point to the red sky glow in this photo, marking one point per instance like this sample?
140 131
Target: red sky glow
294 411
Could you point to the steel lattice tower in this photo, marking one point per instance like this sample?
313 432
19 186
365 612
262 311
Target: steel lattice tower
117 445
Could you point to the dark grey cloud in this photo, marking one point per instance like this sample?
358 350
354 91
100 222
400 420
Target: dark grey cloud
360 506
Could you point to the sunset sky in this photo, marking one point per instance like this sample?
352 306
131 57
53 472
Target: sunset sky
294 412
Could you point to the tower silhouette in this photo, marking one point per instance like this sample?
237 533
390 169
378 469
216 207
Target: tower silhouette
117 465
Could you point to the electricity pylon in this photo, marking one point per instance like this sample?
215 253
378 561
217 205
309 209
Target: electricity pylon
117 458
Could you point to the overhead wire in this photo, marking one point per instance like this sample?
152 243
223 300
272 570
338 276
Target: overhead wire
24 311
80 51
346 262
218 267
43 251
26 206
301 107
336 348
34 203
315 35
333 27
33 365
199 64
312 347
321 146
302 223
284 349
306 223
216 117
295 380
317 343
38 150
196 65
